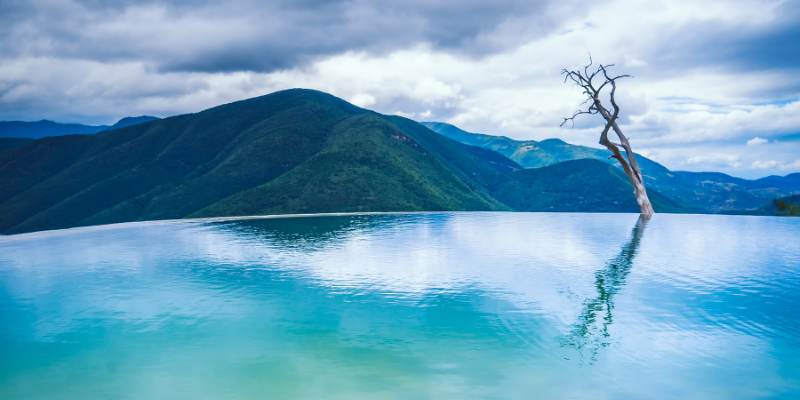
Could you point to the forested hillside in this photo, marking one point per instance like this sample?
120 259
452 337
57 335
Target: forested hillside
296 151
708 191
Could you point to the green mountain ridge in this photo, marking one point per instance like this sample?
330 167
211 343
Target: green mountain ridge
295 151
576 185
698 191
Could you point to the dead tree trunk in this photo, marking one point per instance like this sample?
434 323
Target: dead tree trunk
630 166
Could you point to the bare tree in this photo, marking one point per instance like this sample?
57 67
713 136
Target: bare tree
592 92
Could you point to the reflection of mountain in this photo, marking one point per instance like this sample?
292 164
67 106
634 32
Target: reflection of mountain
591 332
710 191
308 231
382 311
275 329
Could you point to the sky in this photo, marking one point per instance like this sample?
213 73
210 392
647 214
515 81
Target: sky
715 84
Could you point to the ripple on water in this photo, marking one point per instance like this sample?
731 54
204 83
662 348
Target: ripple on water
450 305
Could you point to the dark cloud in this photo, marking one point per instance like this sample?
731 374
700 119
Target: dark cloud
265 36
773 45
700 71
262 36
733 48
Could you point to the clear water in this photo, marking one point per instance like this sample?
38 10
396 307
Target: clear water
412 306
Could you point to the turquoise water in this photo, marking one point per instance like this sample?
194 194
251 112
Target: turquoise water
409 306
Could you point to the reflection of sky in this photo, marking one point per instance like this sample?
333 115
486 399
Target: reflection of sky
545 265
703 292
540 263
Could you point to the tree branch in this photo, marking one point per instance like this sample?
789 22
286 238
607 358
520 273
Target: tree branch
575 114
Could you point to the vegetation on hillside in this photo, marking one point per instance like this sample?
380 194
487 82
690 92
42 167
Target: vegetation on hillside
577 185
12 143
787 206
707 191
296 151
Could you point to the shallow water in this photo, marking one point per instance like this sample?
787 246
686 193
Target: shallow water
408 306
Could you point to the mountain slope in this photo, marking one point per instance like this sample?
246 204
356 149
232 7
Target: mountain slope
528 153
710 191
768 186
45 128
295 151
8 143
340 157
577 185
368 164
128 121
789 183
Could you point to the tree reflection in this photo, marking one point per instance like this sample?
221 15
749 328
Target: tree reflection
310 231
591 333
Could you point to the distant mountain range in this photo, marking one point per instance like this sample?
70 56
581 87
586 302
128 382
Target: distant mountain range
700 191
785 206
15 134
45 128
303 151
295 151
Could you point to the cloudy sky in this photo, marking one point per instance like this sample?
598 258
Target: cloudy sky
716 84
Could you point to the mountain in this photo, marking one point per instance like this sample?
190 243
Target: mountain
788 206
789 183
709 191
528 153
576 185
128 121
770 186
294 151
45 128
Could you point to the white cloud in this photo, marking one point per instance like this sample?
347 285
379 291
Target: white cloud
772 164
423 116
634 62
716 160
764 164
756 141
792 166
362 100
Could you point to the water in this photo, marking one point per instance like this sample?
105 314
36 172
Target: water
410 306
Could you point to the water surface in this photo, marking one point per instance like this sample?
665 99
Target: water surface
405 306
